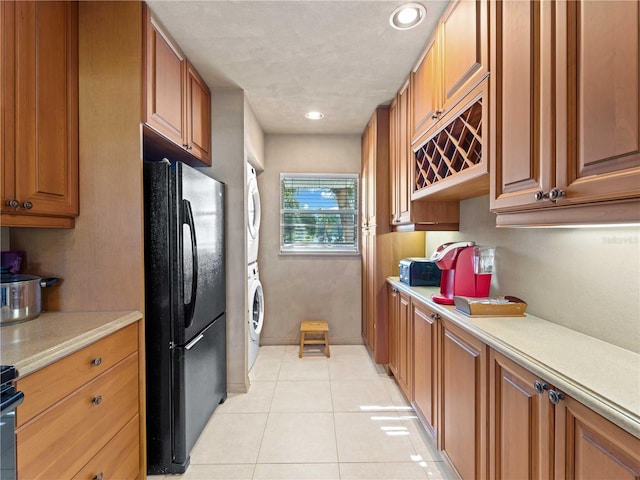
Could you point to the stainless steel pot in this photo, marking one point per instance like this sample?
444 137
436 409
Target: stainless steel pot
21 297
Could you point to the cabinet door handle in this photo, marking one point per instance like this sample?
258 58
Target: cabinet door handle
540 196
97 400
13 203
395 290
96 361
98 476
435 316
540 387
555 194
28 205
555 397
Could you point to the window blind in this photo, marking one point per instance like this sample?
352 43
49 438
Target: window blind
318 213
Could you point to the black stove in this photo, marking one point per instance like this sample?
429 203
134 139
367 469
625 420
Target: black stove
7 373
9 401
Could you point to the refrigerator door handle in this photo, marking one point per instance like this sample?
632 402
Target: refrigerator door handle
193 342
189 308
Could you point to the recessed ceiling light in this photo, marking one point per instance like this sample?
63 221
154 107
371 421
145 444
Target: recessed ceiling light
314 115
407 16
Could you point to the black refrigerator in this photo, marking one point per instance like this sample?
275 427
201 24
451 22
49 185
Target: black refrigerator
185 299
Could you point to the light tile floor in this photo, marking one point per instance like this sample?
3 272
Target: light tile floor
315 418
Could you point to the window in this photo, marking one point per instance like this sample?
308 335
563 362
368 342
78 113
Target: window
318 213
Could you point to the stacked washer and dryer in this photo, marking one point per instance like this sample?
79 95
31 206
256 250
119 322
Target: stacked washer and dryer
256 298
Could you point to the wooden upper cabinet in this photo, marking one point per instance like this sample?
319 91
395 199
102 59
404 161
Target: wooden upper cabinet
399 158
375 172
406 214
40 113
394 210
598 108
403 171
177 101
199 119
565 113
521 109
455 61
165 77
425 88
450 113
465 49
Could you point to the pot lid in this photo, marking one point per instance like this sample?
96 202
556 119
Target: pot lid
7 277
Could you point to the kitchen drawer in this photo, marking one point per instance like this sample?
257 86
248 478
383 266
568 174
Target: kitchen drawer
58 443
119 459
51 384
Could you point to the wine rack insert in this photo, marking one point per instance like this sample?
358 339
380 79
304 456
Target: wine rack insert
455 148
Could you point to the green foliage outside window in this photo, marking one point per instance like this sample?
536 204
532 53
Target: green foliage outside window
319 214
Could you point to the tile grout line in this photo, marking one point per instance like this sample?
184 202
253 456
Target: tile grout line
266 423
333 416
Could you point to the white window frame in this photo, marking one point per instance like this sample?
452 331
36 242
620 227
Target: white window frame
325 249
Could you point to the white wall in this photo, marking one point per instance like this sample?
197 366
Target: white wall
584 279
304 287
228 166
254 138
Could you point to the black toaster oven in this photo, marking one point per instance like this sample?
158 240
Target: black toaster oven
419 272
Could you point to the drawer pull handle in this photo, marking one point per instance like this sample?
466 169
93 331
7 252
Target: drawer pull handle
96 361
555 397
540 387
98 476
97 400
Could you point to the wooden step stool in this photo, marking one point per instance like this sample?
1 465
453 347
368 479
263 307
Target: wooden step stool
314 328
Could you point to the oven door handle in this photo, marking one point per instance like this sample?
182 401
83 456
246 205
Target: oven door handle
11 402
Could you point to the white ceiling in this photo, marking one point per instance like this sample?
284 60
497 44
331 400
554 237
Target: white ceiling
340 57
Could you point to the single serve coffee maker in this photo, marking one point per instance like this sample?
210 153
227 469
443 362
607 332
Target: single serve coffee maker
466 270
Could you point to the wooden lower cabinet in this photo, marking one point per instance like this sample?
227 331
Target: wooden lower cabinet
88 429
394 305
590 446
533 438
400 340
425 364
118 459
490 416
463 401
521 427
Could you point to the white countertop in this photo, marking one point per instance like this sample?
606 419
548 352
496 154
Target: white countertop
34 344
604 377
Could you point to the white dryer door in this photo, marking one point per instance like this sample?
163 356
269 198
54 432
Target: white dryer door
253 208
256 309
